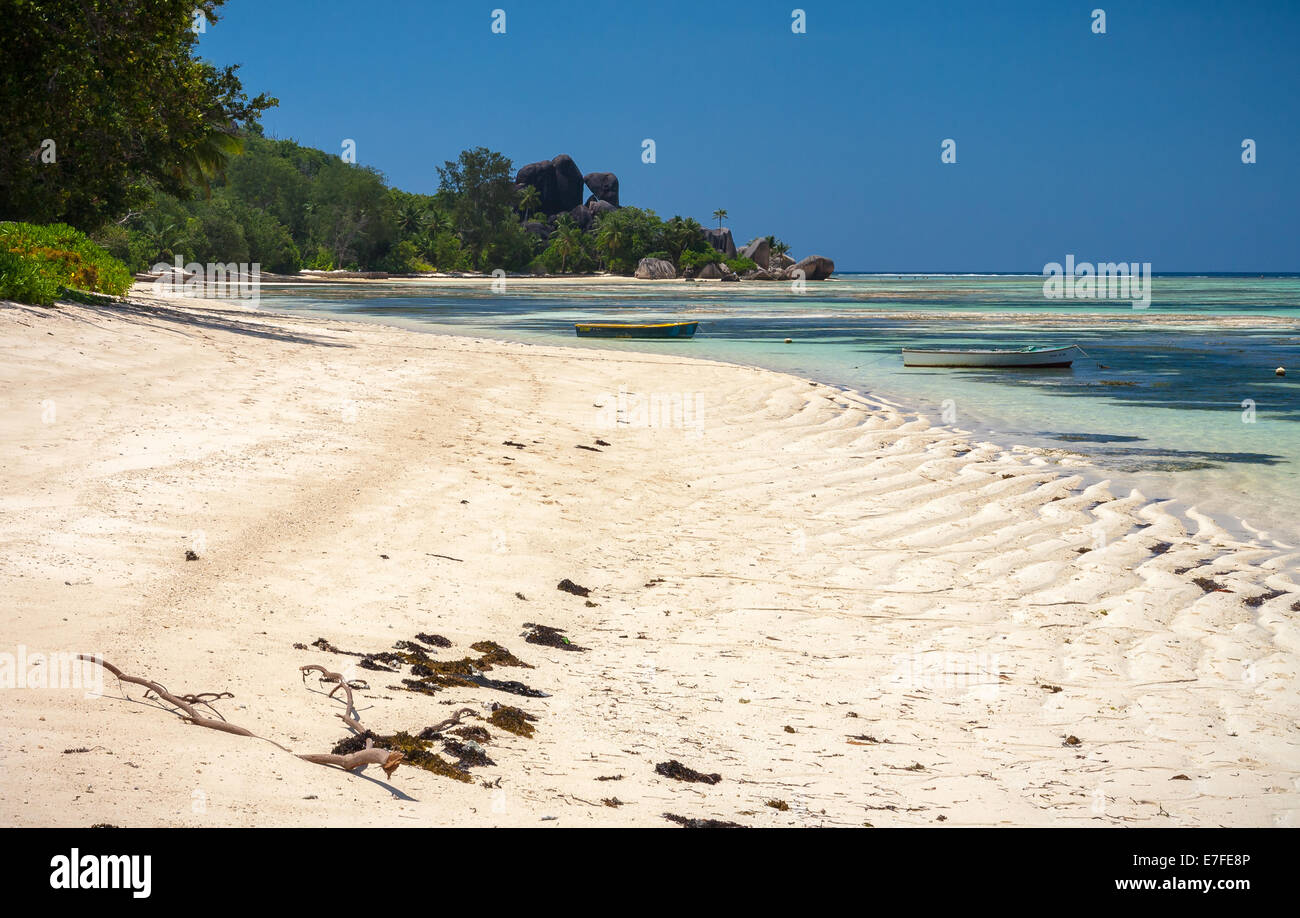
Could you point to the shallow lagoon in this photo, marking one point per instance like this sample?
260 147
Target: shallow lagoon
1179 399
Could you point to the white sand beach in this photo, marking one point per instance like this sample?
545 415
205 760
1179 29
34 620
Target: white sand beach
841 610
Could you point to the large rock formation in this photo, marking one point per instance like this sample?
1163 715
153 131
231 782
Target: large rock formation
560 185
542 231
558 182
721 240
582 217
814 267
542 177
603 185
599 207
568 181
655 269
758 251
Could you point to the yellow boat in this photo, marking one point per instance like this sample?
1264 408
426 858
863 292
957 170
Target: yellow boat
634 330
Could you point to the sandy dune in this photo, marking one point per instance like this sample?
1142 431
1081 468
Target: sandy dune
831 604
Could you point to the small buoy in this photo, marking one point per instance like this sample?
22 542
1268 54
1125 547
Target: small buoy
1280 371
789 341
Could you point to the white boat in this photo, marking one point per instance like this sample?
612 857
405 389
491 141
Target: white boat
989 357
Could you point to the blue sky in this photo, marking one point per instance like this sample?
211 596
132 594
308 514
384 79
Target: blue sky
1117 147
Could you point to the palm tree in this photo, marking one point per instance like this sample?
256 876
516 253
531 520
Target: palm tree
679 234
567 239
205 160
530 201
164 240
719 215
777 246
438 222
411 218
611 238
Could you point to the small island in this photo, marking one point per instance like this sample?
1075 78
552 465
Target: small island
600 232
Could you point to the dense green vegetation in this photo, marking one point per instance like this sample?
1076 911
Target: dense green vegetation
38 263
113 128
289 207
102 101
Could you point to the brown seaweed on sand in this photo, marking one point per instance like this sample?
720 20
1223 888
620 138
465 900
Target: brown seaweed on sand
569 586
549 637
431 676
513 720
679 772
429 685
686 823
1209 585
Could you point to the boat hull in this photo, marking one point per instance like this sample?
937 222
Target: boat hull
616 330
989 359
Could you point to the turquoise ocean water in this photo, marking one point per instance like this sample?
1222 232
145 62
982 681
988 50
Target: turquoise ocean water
1179 399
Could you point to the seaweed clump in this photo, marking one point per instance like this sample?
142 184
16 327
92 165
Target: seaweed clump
416 750
513 720
686 823
549 637
569 586
496 655
468 755
1210 585
679 772
432 675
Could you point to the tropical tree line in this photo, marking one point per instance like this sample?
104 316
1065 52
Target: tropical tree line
290 207
114 127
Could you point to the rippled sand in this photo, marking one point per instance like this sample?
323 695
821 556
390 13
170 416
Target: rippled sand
834 607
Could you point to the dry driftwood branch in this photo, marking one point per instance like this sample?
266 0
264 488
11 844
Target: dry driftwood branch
191 715
371 755
453 720
351 716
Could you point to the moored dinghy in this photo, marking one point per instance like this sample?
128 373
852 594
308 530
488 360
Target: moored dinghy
636 330
989 357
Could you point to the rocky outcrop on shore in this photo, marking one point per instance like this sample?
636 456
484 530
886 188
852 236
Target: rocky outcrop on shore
721 240
814 267
655 269
560 184
759 251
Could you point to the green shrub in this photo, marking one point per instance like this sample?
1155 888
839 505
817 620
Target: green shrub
449 254
21 279
741 265
38 262
404 258
698 260
323 260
